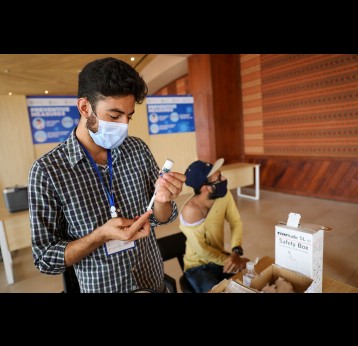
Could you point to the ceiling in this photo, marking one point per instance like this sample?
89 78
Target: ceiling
32 74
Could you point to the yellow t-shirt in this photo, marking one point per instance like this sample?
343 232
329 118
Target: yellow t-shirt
205 242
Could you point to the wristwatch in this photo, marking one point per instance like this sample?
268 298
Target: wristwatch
238 250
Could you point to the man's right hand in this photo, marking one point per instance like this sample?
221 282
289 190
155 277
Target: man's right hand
235 263
126 229
116 228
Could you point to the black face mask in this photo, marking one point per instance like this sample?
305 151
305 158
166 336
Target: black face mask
220 190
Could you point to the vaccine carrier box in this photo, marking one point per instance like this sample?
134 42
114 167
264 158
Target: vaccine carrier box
299 247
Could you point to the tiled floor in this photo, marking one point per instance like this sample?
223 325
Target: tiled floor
259 219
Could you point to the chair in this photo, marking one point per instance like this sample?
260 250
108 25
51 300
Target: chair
173 246
71 285
70 282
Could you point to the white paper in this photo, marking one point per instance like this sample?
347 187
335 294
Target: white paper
114 246
293 219
234 287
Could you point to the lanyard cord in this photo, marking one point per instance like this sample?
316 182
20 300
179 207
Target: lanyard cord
109 193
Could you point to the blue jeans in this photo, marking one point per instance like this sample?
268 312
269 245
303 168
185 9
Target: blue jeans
204 277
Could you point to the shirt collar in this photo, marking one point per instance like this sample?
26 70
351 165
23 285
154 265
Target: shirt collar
76 154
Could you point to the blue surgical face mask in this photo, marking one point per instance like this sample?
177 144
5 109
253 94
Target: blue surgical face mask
110 135
220 190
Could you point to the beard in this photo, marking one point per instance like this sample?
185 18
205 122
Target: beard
213 196
91 123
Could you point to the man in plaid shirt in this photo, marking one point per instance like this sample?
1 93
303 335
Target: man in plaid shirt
88 196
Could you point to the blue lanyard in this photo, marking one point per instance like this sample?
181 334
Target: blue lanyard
109 192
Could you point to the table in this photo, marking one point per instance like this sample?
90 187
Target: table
328 285
15 234
243 174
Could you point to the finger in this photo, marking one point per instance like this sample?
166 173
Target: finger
174 186
178 176
230 268
242 265
226 266
120 222
138 224
174 180
137 230
140 234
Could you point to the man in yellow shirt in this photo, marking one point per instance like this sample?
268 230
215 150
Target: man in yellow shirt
202 220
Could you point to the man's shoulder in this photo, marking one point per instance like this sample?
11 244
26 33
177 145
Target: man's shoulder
135 140
191 213
188 205
68 145
52 153
59 156
135 144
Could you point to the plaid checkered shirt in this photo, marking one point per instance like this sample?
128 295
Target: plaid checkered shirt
67 201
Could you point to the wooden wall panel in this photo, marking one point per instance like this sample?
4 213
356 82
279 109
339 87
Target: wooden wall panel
200 79
310 104
225 71
330 178
252 103
215 85
179 86
301 122
300 104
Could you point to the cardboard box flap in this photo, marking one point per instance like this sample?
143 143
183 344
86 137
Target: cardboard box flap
294 222
314 228
230 286
220 287
310 227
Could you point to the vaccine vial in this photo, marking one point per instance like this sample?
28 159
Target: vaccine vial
249 273
168 164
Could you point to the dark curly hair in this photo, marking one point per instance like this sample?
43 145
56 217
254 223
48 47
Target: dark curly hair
110 77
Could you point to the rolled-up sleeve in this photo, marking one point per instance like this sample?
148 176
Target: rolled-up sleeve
46 221
154 222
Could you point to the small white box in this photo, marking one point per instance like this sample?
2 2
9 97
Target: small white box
301 249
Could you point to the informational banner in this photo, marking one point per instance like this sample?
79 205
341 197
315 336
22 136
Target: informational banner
170 114
52 118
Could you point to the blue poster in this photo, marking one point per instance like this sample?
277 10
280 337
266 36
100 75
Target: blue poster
170 114
52 118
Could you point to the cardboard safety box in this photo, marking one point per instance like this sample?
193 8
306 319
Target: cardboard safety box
299 247
298 259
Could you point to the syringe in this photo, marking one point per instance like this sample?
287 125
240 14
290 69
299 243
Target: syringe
166 169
